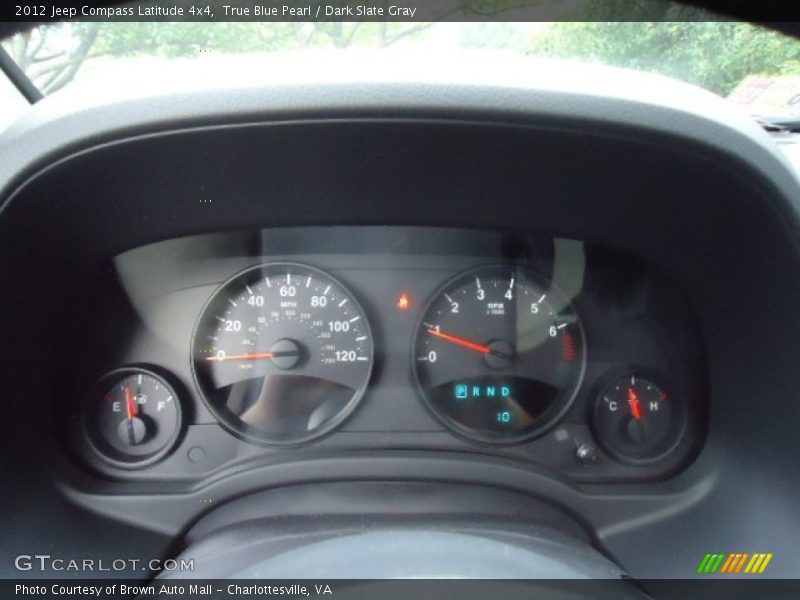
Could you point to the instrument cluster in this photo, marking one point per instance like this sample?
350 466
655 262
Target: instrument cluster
251 346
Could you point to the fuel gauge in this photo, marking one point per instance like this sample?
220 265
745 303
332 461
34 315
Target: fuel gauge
133 419
636 421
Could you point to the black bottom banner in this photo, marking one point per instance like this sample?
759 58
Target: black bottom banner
415 589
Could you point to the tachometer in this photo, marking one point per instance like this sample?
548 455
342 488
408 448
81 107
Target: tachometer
499 354
282 353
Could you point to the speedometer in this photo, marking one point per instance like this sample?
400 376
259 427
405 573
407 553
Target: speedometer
282 353
499 354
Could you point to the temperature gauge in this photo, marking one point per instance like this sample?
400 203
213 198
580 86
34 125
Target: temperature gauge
636 420
134 418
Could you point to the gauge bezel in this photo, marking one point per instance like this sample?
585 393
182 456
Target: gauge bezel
99 447
676 398
454 426
223 418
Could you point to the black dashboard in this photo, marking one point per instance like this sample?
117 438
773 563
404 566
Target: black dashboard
578 295
276 342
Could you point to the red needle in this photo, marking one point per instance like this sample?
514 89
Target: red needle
131 405
636 407
251 355
460 341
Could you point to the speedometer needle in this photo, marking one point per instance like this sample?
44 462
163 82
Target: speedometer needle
460 341
254 355
248 356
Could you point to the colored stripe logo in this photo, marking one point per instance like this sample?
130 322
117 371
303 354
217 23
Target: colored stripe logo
734 563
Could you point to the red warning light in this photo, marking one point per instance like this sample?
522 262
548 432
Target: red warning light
404 302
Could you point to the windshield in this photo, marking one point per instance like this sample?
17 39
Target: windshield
752 66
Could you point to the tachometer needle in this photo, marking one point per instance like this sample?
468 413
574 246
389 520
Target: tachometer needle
460 341
633 401
248 356
130 403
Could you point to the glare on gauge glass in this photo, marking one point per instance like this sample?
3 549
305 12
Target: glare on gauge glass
282 353
499 354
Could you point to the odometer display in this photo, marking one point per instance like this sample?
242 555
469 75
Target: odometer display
282 353
499 354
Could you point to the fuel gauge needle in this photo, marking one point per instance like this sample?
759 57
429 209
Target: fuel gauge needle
130 403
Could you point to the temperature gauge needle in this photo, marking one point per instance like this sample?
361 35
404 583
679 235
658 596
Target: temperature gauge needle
633 401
